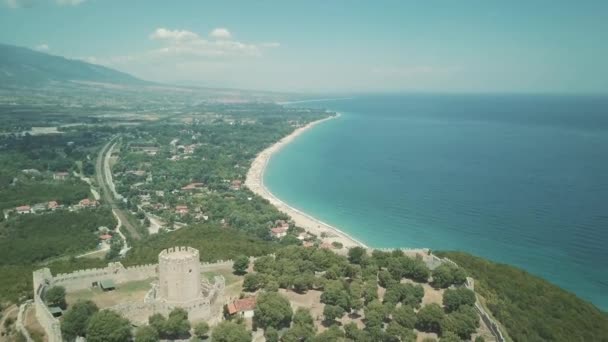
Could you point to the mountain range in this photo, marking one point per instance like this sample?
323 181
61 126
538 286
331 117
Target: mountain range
21 66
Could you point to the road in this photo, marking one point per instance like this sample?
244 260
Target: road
108 192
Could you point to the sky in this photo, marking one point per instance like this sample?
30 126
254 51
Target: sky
526 46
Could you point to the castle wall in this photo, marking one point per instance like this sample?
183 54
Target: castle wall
84 279
42 279
201 308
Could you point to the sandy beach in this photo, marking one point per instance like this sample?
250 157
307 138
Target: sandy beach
255 182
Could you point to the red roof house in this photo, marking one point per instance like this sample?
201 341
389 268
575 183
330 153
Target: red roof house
278 232
181 209
244 307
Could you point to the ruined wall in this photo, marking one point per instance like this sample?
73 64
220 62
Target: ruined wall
43 279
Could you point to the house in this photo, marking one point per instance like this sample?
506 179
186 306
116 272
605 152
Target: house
278 232
308 244
236 184
52 205
60 175
38 207
304 236
160 193
88 203
243 307
192 186
24 209
281 224
181 209
189 149
31 171
105 237
138 173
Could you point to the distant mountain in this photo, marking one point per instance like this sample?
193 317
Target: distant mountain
21 66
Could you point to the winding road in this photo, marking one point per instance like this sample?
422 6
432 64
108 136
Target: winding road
108 192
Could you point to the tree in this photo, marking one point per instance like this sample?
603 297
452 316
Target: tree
455 298
271 286
332 312
55 296
429 318
397 332
298 333
76 319
336 294
253 281
375 314
177 325
158 321
302 283
406 294
108 326
449 337
264 264
404 316
303 317
418 271
240 264
330 335
462 322
228 331
271 334
272 310
480 339
385 279
146 334
201 329
370 292
356 255
448 274
351 331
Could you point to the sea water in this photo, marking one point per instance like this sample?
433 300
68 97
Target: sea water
518 179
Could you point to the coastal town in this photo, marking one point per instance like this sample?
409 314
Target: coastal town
138 211
157 182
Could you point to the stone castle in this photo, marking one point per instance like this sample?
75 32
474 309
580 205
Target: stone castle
175 282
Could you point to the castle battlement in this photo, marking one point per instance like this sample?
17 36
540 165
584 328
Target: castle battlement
178 284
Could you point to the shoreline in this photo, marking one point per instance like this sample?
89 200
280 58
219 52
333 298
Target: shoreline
255 182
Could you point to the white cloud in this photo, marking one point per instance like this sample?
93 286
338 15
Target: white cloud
220 33
184 44
173 35
42 47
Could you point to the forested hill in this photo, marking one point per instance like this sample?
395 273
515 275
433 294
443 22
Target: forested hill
21 66
530 308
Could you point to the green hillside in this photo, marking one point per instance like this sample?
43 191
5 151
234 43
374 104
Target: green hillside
531 308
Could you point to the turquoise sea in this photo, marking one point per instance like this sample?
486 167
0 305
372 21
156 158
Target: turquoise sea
519 179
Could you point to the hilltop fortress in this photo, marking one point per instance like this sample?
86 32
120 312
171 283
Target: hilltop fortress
175 282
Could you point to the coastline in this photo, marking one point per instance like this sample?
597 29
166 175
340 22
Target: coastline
255 182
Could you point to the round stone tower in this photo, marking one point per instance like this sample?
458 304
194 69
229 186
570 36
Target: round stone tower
179 274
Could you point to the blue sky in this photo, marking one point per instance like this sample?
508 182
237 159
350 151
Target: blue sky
321 46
